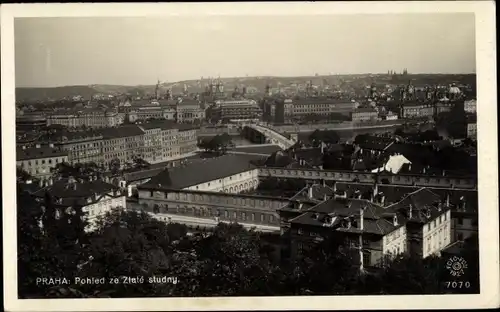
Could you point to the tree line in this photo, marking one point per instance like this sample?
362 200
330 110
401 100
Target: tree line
229 260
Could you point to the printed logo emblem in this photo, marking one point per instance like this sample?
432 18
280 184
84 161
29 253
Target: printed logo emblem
456 266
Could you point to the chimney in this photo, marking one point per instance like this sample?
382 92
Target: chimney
310 192
447 200
410 212
462 203
361 218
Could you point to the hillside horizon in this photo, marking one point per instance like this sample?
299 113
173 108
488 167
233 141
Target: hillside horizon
259 82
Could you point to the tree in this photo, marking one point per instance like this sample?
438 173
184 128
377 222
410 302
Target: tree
51 242
140 163
114 165
411 275
326 269
22 175
128 244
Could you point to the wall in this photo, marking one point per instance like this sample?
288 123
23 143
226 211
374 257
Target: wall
227 207
233 184
416 180
41 167
437 234
463 224
394 243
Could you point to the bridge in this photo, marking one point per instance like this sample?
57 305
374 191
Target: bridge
272 136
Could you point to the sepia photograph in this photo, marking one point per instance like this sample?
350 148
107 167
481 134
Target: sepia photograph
249 156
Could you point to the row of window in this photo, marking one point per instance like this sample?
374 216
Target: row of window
234 215
49 161
441 219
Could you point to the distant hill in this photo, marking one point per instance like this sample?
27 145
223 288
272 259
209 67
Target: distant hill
230 83
23 94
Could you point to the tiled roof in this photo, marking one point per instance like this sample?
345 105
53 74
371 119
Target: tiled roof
41 152
79 191
279 159
120 132
352 190
318 193
201 172
334 211
420 201
268 149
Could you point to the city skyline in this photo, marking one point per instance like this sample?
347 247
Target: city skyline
53 52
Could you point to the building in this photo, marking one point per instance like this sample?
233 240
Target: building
227 110
81 146
95 196
187 139
228 174
122 144
470 106
417 110
189 111
92 118
361 114
472 126
388 116
39 161
29 122
419 224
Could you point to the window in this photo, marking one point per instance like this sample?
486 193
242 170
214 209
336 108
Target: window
244 216
444 217
271 218
460 221
253 216
435 223
428 227
300 231
226 214
235 215
460 236
262 218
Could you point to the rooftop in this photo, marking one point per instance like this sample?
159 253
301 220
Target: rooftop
201 171
40 152
67 191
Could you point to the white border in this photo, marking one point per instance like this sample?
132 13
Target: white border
487 134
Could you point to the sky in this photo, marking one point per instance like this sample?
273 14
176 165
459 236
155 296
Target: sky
131 51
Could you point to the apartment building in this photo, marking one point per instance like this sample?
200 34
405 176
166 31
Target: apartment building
235 110
189 111
419 224
92 118
96 197
364 114
39 161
